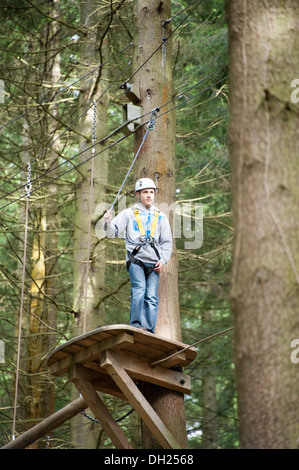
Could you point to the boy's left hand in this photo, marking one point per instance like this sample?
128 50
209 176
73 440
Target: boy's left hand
159 266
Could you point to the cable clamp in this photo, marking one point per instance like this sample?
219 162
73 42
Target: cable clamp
152 121
28 186
124 85
166 22
94 127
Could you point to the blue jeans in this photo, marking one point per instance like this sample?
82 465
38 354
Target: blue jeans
144 298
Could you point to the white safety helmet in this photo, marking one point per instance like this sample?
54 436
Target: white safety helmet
144 183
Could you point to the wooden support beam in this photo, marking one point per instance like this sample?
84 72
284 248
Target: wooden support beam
90 353
101 381
138 370
47 425
141 405
113 431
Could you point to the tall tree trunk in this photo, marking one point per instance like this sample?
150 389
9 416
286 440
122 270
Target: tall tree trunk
51 244
33 400
90 259
157 161
210 410
263 142
89 256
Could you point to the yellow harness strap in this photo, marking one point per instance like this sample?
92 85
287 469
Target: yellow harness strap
155 220
140 225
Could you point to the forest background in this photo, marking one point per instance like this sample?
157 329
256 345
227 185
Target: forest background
46 67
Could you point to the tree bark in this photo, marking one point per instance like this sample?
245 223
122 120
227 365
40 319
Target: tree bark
157 161
210 410
51 236
89 256
263 143
89 272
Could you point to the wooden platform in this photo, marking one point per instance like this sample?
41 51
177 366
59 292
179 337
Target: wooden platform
93 349
114 359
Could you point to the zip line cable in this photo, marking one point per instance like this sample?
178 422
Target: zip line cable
104 139
108 60
193 86
195 96
163 42
61 91
130 121
117 130
60 135
150 126
68 171
155 363
65 88
122 86
182 11
101 65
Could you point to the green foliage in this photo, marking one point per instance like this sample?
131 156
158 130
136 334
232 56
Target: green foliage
202 174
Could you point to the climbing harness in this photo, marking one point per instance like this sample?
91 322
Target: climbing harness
143 240
140 225
131 256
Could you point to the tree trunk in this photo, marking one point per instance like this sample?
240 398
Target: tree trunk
157 161
263 142
90 259
33 400
210 410
51 242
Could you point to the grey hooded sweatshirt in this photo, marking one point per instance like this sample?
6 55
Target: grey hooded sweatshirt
125 225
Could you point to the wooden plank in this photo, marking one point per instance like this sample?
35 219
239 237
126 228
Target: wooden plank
88 354
142 371
143 408
101 381
113 431
147 345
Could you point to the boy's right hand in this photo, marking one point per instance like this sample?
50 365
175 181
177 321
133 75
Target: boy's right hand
108 216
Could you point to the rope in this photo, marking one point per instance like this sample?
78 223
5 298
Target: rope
150 126
28 189
164 40
155 363
95 420
70 125
115 131
64 89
